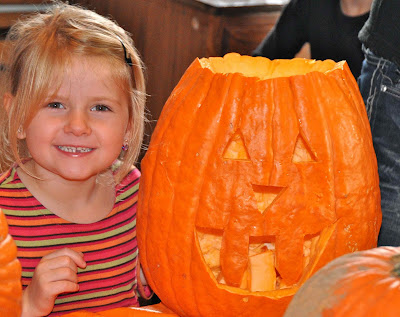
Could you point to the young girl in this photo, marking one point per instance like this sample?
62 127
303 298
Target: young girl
73 98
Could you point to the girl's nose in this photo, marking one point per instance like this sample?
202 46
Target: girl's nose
77 123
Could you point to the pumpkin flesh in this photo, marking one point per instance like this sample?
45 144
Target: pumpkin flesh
257 170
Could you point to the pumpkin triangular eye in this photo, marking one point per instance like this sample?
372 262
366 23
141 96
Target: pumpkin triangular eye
265 195
236 149
302 152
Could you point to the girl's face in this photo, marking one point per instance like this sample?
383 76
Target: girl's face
79 132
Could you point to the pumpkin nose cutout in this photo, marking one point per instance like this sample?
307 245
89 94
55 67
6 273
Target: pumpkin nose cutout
265 196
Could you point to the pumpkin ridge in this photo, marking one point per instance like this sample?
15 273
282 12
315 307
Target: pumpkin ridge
234 276
357 304
352 88
228 84
183 155
10 273
191 86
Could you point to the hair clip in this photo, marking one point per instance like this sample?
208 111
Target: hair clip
128 59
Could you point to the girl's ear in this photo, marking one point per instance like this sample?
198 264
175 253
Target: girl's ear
21 133
7 102
128 132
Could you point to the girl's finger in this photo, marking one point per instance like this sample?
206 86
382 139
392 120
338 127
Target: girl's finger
60 274
75 256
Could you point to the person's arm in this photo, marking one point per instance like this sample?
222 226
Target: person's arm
289 33
143 288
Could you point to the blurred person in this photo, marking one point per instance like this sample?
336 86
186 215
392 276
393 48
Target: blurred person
379 84
330 26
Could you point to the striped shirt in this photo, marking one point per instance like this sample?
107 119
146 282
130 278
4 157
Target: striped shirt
109 246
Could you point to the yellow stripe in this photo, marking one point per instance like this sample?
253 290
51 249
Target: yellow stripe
94 295
32 213
129 192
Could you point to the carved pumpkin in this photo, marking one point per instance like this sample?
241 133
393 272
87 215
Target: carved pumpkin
365 283
10 273
258 173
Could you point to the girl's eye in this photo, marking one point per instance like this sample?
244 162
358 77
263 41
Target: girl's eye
100 108
55 105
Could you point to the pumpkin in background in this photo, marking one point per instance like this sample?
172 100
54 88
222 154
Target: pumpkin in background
364 283
10 273
258 173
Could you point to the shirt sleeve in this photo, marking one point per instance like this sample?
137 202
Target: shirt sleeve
143 290
289 33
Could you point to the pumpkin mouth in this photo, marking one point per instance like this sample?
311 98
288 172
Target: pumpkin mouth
261 274
264 68
256 268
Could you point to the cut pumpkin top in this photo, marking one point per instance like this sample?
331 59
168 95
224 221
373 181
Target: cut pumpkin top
265 68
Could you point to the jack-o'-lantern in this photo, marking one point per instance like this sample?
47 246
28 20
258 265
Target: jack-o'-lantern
258 173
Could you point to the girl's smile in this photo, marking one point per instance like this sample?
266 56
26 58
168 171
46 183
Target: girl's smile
74 149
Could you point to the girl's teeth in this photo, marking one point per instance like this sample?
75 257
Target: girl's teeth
73 149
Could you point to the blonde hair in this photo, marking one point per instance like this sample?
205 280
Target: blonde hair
40 47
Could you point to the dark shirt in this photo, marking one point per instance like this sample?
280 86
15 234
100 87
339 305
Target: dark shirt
381 33
331 34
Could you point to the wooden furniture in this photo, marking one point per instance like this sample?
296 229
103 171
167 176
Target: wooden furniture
11 11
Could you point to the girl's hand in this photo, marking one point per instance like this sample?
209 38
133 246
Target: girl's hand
55 274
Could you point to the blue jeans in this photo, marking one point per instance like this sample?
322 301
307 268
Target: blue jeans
379 84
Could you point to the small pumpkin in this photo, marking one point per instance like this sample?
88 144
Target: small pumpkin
364 283
10 273
258 173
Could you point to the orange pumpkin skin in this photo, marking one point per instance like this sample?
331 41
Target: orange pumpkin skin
146 311
241 166
364 283
10 273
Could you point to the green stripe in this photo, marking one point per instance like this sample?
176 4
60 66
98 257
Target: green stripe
30 213
113 291
5 183
107 265
75 239
91 268
128 193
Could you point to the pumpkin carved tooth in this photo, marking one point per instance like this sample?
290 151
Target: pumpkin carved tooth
261 274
